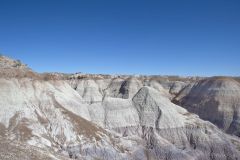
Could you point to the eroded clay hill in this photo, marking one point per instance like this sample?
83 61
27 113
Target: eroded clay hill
215 99
84 116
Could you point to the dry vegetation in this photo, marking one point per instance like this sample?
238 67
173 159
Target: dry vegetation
13 150
82 126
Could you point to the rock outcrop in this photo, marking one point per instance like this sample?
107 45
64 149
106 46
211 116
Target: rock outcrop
6 62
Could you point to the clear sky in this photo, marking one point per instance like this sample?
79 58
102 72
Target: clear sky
166 37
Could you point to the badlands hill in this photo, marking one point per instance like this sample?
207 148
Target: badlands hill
215 99
83 116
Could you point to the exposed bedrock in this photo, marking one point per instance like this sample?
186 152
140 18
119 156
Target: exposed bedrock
216 100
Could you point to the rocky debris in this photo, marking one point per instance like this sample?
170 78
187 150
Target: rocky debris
215 99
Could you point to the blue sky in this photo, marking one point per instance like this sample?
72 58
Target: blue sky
170 37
